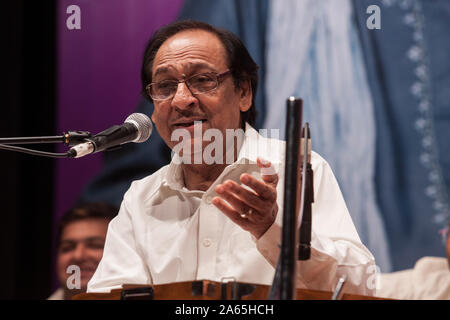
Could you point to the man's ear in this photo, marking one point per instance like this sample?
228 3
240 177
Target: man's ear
246 96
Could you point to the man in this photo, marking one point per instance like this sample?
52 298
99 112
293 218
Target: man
219 219
428 280
448 245
81 238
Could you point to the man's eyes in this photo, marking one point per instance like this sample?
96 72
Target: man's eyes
167 84
94 244
67 248
200 78
174 82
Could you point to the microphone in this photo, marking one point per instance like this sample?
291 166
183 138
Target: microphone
136 128
304 248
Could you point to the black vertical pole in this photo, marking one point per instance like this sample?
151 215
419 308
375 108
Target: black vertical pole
289 251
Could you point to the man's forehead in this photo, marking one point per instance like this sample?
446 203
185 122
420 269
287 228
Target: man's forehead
190 49
192 37
85 228
75 239
188 65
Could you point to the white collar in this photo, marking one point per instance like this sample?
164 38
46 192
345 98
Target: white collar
254 145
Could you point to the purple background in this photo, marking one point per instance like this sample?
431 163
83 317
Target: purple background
99 76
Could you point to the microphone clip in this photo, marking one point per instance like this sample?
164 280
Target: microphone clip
72 138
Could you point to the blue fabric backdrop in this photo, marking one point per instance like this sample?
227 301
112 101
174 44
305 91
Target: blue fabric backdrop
409 73
314 52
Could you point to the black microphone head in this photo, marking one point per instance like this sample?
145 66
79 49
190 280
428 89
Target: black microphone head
143 125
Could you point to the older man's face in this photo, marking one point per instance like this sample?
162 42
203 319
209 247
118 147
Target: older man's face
184 55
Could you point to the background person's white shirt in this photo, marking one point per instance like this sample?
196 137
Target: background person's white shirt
429 279
166 233
57 295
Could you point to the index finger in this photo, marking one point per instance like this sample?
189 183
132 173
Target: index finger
265 190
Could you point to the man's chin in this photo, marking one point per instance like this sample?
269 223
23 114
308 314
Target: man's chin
191 151
85 277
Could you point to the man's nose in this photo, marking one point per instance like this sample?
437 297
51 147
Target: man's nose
183 97
80 252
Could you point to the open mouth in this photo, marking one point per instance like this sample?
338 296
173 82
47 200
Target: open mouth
189 123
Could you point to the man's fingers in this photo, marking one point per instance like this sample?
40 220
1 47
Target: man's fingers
226 193
268 173
272 179
263 189
230 212
248 197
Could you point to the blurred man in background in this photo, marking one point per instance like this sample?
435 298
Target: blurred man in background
81 238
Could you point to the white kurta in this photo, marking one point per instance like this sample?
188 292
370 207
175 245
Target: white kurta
429 279
166 233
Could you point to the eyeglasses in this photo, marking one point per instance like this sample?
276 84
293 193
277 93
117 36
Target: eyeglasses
197 84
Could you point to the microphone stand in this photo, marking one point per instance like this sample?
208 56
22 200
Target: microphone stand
70 138
284 283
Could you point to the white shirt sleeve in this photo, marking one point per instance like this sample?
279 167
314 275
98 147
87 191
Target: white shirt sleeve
121 262
336 249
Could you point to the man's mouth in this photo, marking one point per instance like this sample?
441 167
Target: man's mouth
188 123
